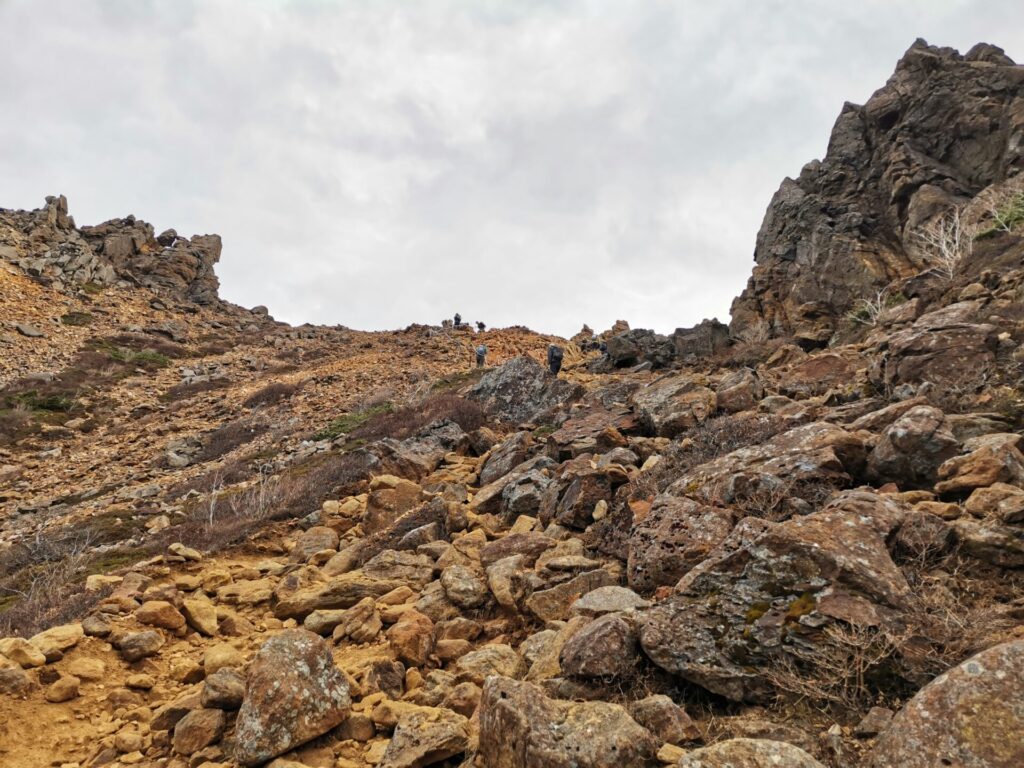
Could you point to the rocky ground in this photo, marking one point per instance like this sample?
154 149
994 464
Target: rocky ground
797 541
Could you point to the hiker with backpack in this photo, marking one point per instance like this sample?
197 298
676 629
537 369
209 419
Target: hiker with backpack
555 353
481 355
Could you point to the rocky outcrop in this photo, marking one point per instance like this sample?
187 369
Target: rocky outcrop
47 245
942 129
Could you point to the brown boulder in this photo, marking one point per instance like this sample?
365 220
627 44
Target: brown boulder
749 753
607 647
520 727
912 448
294 693
677 534
971 717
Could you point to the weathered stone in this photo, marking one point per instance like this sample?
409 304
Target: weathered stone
607 647
201 615
521 391
748 753
675 403
494 659
912 448
224 689
520 727
993 462
611 599
554 603
426 737
787 583
21 651
412 637
464 587
64 688
971 716
311 541
505 457
677 534
664 718
294 693
138 645
198 729
55 641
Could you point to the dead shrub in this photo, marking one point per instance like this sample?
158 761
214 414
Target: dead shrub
271 394
230 436
410 420
191 389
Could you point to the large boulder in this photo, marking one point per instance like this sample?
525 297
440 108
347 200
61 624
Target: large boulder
674 536
767 603
813 454
294 693
505 457
522 391
970 717
674 404
640 346
943 347
912 448
520 727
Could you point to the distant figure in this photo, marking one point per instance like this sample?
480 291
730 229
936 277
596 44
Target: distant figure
458 319
481 355
603 347
555 353
480 327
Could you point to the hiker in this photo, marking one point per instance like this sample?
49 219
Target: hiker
481 354
458 319
480 327
603 349
555 353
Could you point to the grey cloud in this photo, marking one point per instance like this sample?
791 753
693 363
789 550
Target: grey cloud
377 164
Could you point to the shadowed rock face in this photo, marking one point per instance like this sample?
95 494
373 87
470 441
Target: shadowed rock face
943 128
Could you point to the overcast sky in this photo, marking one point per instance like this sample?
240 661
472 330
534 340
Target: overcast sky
381 163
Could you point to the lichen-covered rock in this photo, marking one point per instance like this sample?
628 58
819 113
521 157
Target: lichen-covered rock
293 693
521 391
674 536
675 403
425 737
197 729
817 453
970 717
740 613
520 727
912 448
607 647
748 753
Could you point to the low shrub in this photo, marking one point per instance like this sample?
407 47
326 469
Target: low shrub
230 436
271 394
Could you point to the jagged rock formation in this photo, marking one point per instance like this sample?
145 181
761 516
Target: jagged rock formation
941 130
47 244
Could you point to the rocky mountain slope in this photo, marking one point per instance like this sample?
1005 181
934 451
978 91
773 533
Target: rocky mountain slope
798 541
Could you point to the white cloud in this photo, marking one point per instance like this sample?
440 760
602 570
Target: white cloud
376 164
